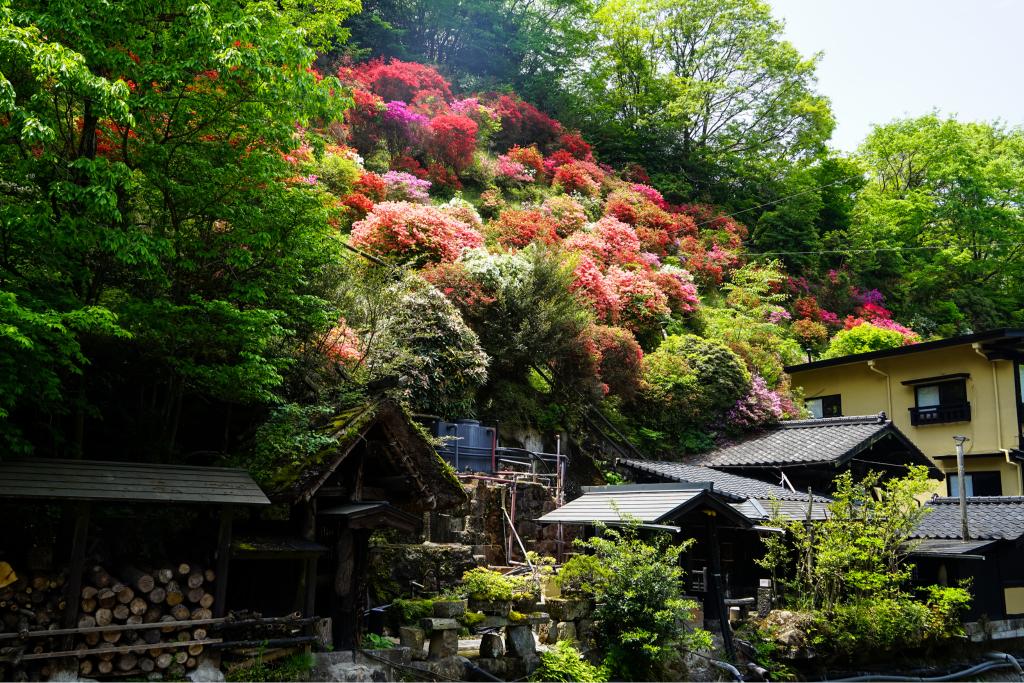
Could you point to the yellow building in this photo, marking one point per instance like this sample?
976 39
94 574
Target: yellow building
968 385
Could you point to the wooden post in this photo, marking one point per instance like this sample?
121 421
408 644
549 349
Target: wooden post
77 566
309 533
220 593
716 583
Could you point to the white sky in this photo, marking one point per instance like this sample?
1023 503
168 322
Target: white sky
886 59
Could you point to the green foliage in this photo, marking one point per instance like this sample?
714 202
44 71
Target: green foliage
486 584
410 611
293 668
583 575
143 152
862 339
689 383
373 641
288 438
641 610
564 663
850 570
952 190
766 651
338 173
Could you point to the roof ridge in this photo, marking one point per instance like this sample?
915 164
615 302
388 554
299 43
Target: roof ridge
880 418
989 500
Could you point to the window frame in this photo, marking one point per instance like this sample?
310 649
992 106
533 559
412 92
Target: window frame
837 404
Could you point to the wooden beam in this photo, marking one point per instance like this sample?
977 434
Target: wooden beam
223 559
715 579
77 566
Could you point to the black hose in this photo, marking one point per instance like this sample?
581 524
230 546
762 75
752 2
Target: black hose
998 660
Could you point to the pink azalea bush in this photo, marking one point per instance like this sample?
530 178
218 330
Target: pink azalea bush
417 232
593 290
405 187
641 302
761 406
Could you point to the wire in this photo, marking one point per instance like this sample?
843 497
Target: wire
871 249
774 201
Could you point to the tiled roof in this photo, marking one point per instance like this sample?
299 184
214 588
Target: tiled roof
988 518
805 442
790 504
723 481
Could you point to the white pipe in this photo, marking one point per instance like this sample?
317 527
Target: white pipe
888 384
995 389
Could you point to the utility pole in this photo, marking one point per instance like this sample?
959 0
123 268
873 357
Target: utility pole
962 485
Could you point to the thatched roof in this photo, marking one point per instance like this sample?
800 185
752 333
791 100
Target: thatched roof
392 442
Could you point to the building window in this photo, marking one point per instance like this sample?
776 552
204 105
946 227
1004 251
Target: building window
825 406
977 484
940 402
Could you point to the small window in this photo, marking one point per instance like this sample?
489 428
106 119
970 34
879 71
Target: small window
977 484
940 402
825 406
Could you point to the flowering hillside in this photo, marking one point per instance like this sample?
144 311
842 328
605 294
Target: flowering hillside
666 320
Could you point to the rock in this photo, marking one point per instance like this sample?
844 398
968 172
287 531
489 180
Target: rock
565 630
341 666
499 609
545 633
449 608
491 646
789 631
412 637
444 644
567 609
449 668
436 624
519 641
585 631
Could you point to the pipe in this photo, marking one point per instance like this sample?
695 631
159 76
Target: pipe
888 384
473 668
726 666
997 660
995 390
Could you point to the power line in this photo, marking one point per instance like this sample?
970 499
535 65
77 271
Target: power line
774 201
871 249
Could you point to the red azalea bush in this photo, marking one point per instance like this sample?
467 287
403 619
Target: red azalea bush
591 288
635 173
372 185
444 178
619 359
707 270
650 194
811 333
523 124
456 283
398 80
363 120
574 144
418 232
807 307
583 177
557 159
343 345
408 164
518 227
642 304
529 157
620 242
569 214
356 205
678 287
452 140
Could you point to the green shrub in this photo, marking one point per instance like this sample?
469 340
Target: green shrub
563 663
582 575
486 584
372 641
862 339
337 173
411 611
641 613
294 668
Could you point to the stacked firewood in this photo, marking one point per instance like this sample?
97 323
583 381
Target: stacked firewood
35 603
165 595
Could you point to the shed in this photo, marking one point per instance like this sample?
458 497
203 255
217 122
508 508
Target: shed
718 565
80 484
380 472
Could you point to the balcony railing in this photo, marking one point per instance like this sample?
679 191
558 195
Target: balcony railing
933 415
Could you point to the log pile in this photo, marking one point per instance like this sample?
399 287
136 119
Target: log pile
128 597
163 595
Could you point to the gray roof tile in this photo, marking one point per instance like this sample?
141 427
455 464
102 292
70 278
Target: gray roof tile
723 481
802 442
988 518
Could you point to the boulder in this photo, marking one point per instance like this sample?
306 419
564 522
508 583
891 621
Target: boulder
449 609
519 641
413 637
491 646
564 630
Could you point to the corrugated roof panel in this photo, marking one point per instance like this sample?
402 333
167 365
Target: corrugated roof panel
46 479
648 507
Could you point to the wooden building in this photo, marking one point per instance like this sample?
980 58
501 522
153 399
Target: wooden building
381 472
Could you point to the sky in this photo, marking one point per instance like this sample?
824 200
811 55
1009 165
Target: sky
887 59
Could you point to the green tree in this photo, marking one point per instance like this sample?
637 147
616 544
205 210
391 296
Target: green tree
146 195
641 609
943 206
863 338
703 88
